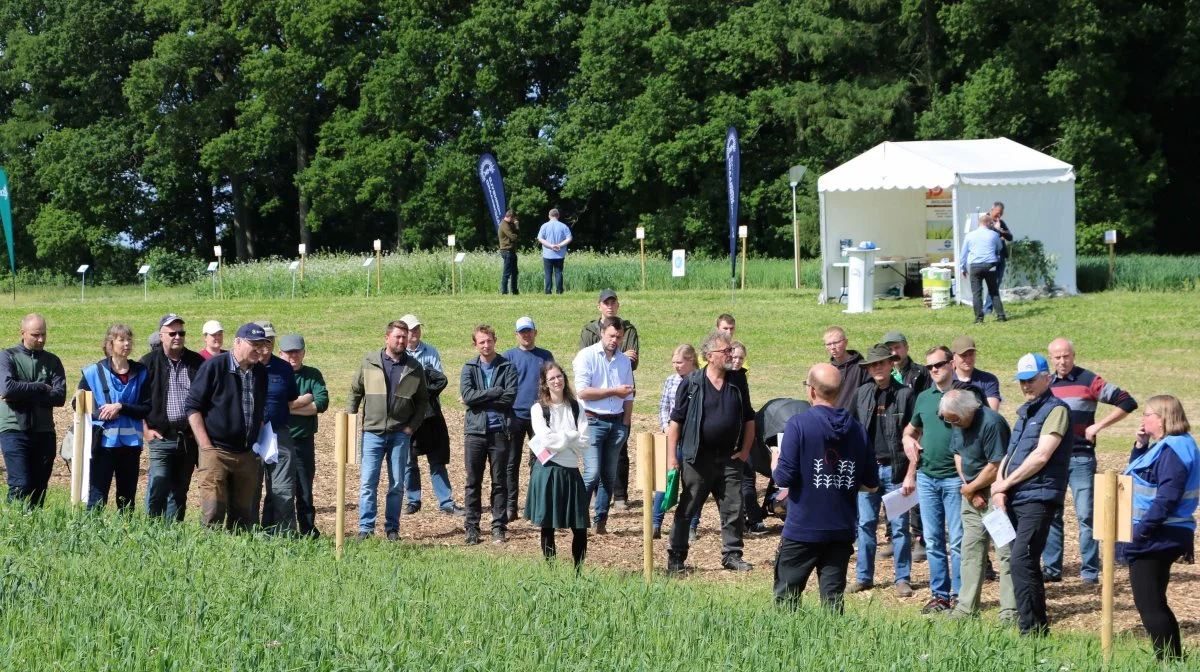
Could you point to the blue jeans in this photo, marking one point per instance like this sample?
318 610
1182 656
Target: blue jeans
941 509
987 301
375 448
868 520
1079 478
553 268
600 462
438 476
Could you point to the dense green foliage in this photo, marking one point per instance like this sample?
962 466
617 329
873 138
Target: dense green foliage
129 125
85 592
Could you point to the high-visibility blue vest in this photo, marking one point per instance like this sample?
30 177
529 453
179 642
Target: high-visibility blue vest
121 430
1145 492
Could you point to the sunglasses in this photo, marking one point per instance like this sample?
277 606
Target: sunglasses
937 365
173 334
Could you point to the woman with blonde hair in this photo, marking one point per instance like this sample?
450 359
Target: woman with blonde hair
684 360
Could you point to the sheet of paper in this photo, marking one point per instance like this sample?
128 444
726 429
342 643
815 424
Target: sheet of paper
896 504
1000 527
537 446
267 445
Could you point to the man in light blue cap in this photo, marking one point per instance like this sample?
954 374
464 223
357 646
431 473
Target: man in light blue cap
528 360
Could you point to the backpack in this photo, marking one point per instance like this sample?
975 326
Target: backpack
574 412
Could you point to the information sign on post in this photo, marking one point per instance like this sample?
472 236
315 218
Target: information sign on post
212 270
82 271
144 271
677 263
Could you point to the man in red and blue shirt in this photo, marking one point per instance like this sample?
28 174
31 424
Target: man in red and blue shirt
1082 390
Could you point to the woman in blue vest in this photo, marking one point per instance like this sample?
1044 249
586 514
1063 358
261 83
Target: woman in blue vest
1165 467
122 401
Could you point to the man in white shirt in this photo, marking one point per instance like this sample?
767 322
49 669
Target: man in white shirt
604 380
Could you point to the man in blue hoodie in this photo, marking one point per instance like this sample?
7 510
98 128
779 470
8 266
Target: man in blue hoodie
823 462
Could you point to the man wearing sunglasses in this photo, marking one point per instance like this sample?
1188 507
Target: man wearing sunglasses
172 447
928 435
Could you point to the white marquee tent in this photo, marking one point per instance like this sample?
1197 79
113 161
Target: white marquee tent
914 200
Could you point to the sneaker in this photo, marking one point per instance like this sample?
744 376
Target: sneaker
393 535
472 536
693 536
979 320
601 528
498 537
1091 581
860 587
1051 578
935 605
620 505
758 529
363 536
734 562
903 589
453 509
411 508
918 553
675 566
657 532
1002 318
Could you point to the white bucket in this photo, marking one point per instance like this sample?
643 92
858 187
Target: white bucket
939 298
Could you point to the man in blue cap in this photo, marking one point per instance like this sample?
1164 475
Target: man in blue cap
1033 485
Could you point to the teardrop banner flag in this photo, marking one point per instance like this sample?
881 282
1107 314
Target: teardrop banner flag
733 180
6 215
493 188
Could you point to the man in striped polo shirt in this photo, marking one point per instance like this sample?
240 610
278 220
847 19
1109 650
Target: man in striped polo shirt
1081 390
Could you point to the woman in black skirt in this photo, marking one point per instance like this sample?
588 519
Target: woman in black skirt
556 497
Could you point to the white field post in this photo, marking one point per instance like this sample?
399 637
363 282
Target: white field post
743 231
645 456
450 243
339 448
303 249
378 263
641 238
220 269
1110 237
795 238
1107 553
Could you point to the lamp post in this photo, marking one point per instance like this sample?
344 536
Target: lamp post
795 173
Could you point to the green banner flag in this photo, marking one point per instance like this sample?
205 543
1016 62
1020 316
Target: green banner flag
6 214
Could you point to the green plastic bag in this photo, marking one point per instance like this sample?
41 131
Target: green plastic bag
671 496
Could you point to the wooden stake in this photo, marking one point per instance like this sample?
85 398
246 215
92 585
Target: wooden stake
1108 551
1111 262
378 269
77 449
221 272
302 268
743 263
645 448
340 436
643 246
452 292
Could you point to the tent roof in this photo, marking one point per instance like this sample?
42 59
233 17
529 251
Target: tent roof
944 163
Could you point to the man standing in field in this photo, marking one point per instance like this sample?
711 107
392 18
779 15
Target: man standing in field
554 237
32 385
391 387
173 451
609 305
963 348
528 359
432 438
825 460
225 408
508 253
980 255
279 501
302 425
604 385
488 388
847 362
906 372
712 427
1006 237
1082 390
1033 485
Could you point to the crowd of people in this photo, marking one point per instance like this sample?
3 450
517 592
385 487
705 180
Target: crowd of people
242 421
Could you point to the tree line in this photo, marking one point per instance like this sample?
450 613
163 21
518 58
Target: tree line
174 125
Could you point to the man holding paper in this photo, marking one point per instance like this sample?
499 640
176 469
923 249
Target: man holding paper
1033 485
279 499
885 408
225 409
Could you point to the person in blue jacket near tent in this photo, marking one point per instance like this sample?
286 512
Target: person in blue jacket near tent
122 400
1165 467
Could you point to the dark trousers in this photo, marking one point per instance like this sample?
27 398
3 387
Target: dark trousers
228 488
754 513
621 491
508 259
1032 523
491 448
979 274
987 301
305 460
172 461
1148 576
121 464
29 459
553 267
720 475
795 562
522 429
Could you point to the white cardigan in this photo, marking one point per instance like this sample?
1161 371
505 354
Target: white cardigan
566 438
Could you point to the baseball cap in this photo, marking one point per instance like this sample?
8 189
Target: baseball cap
607 294
169 318
267 327
894 337
1030 365
524 323
962 344
291 342
878 353
211 327
411 320
252 332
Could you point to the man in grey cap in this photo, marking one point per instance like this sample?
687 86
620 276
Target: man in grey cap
906 372
302 426
885 409
609 305
279 503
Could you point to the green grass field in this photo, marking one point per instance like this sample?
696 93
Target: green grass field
77 593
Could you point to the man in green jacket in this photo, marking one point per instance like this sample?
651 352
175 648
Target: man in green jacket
391 387
509 226
32 385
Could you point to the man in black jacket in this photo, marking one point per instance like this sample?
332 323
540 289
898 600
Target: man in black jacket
885 409
225 409
173 454
488 387
847 362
